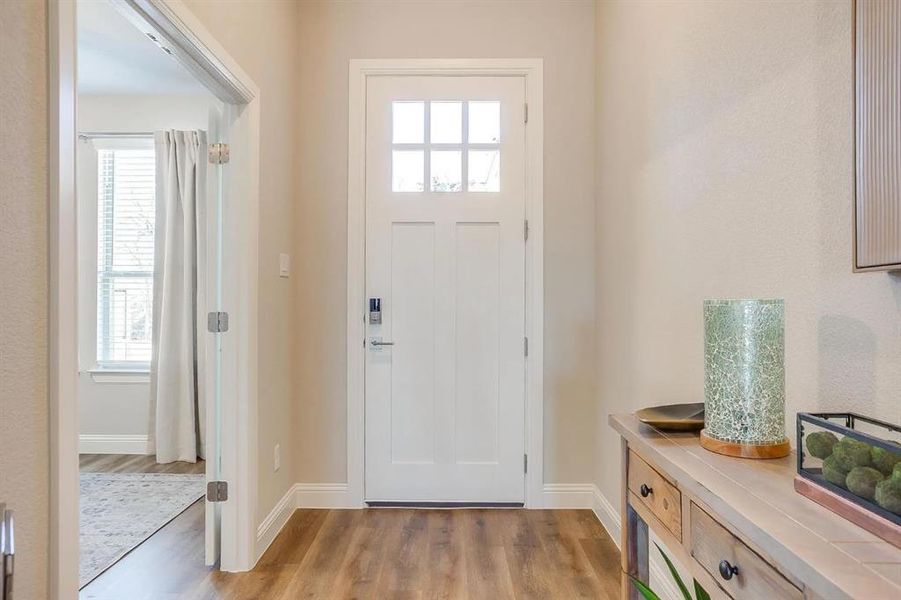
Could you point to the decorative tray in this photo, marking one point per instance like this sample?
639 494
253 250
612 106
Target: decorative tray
851 464
674 417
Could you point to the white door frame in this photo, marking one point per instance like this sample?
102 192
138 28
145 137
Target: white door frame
199 51
360 70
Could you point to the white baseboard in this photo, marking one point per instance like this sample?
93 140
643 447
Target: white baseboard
299 495
607 515
323 495
567 495
276 520
112 444
658 572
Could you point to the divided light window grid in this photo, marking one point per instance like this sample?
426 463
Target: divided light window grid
125 229
445 146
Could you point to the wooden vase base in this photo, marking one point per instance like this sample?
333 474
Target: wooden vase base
745 450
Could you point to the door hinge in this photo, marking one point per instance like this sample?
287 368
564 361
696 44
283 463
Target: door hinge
525 346
217 322
217 491
525 230
525 463
525 112
219 154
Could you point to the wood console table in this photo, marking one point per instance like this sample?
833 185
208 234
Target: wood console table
739 526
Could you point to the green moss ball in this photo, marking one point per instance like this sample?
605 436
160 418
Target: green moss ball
850 453
833 472
884 460
888 495
896 473
862 481
820 443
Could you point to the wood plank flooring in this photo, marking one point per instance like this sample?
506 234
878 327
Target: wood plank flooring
133 463
372 554
384 553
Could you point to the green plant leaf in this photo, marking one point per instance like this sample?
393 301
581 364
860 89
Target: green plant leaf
675 574
700 593
644 590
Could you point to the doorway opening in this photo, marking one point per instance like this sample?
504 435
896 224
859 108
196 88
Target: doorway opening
147 200
153 402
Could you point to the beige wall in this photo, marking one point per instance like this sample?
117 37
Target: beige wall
261 35
724 170
332 33
24 465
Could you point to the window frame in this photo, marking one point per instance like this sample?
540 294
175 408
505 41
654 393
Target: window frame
89 250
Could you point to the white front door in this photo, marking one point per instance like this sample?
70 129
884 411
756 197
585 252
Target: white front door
445 257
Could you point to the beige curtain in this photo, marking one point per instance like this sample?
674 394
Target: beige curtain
176 394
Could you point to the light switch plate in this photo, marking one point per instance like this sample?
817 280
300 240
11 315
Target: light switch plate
284 265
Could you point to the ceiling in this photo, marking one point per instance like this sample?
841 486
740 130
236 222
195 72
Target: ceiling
115 57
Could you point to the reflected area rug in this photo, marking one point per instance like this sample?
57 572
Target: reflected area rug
118 511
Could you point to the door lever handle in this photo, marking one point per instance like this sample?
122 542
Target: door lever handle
375 342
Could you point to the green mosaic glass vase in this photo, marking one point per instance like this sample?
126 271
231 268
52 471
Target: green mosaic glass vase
744 378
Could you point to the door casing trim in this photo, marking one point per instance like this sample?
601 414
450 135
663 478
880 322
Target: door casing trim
360 70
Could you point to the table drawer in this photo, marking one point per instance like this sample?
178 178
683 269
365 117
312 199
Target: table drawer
718 551
655 492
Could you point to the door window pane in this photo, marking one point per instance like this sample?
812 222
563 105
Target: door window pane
484 171
446 122
407 171
446 171
484 122
408 122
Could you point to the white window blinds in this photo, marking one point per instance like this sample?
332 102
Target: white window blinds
126 210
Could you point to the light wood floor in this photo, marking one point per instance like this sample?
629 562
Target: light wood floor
380 554
384 553
133 463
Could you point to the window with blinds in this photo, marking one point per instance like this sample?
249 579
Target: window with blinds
126 211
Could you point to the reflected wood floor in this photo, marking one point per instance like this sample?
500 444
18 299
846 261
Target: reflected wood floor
384 553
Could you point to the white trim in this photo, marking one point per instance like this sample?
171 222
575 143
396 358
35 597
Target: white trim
299 495
239 397
610 519
112 444
532 71
277 518
193 47
239 406
63 290
324 495
568 495
607 515
119 376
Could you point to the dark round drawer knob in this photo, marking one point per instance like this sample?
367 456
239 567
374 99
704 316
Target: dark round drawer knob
727 570
645 490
